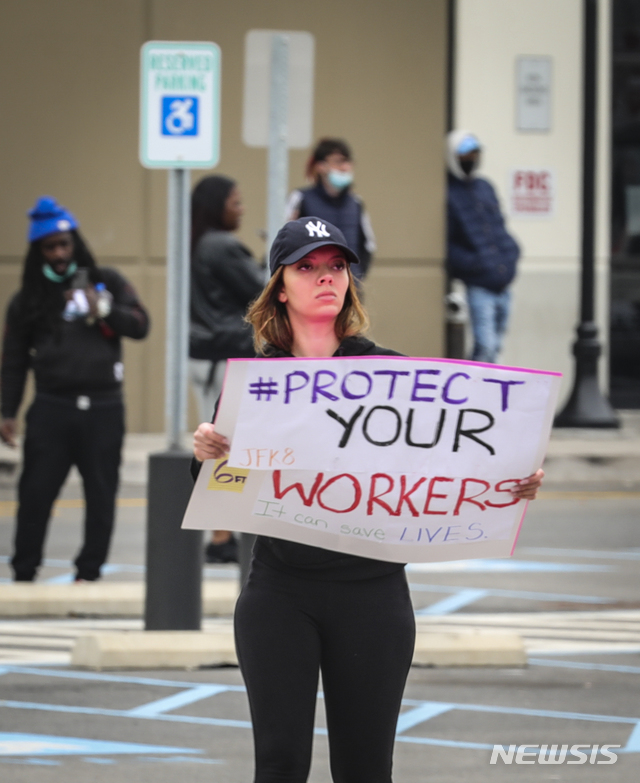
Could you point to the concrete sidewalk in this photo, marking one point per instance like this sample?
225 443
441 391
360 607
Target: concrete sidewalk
596 459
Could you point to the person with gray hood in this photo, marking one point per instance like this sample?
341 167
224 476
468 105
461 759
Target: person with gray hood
480 251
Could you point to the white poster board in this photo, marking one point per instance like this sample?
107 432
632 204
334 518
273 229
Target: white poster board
417 503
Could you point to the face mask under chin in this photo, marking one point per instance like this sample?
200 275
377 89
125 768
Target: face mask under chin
48 272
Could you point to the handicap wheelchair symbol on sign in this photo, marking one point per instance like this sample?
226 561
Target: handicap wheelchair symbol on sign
179 115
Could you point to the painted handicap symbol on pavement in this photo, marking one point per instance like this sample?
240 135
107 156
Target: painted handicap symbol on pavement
179 115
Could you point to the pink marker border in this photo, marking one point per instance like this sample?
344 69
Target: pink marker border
401 358
515 540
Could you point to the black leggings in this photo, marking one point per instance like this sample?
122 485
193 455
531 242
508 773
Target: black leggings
360 634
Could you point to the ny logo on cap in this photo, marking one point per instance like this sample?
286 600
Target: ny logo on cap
319 229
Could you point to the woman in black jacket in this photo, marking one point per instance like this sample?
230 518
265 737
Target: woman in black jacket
225 279
304 609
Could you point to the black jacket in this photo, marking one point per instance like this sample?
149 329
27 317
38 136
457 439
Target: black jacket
312 562
75 357
224 281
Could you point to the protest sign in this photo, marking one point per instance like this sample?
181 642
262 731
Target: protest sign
387 413
459 507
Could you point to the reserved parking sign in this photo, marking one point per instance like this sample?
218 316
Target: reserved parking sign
179 104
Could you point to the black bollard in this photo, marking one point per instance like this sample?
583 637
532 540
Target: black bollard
174 556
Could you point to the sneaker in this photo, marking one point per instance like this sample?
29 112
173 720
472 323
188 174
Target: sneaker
222 553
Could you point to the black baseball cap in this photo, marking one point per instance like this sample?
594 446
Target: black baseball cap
299 237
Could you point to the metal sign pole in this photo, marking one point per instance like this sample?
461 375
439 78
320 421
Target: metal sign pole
278 160
179 130
178 230
277 181
174 556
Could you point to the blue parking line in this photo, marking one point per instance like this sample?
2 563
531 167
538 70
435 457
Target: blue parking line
631 650
602 667
633 743
586 553
190 759
527 595
454 602
18 744
98 677
500 710
430 709
506 565
443 743
26 705
176 701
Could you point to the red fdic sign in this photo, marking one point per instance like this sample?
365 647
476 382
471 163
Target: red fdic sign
532 193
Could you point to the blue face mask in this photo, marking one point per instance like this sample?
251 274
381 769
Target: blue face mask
48 272
340 179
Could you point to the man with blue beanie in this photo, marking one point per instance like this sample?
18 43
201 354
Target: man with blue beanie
480 251
66 323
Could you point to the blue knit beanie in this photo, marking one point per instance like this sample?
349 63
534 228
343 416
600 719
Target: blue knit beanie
48 217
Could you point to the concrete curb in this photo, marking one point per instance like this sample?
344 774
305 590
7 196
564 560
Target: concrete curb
215 647
469 649
155 649
124 599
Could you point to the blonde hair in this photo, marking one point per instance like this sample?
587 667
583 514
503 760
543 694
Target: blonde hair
271 325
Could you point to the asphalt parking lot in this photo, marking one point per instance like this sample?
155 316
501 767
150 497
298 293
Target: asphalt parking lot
571 589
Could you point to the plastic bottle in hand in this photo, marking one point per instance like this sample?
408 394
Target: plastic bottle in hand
105 300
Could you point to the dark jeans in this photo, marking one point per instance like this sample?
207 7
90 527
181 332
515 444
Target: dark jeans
59 435
360 634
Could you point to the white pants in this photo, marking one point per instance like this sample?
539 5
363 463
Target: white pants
206 378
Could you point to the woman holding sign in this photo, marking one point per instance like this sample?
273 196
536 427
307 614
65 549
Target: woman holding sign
306 609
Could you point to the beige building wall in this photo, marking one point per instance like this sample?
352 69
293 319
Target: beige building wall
72 132
490 35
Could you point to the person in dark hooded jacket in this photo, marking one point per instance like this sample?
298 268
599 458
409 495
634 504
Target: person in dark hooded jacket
480 251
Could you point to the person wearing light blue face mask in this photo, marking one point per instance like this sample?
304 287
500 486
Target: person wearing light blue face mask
331 198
